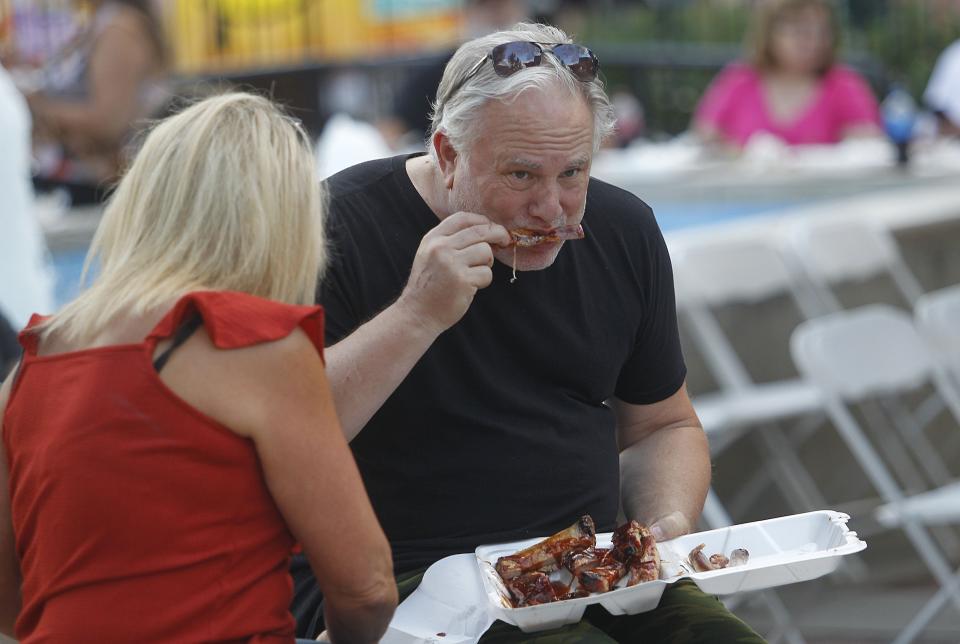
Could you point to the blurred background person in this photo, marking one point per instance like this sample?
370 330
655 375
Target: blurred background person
942 95
407 124
790 85
9 349
147 491
88 98
26 277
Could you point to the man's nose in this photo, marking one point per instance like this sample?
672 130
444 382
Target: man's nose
545 205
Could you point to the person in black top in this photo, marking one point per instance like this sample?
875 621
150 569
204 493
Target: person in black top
9 347
493 392
409 120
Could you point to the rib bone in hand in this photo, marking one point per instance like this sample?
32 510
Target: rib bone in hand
547 555
525 237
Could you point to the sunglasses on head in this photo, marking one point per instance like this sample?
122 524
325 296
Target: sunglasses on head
511 57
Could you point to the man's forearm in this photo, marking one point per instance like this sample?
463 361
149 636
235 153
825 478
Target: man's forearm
666 472
369 364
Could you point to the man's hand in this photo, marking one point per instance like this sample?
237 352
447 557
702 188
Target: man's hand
670 526
453 261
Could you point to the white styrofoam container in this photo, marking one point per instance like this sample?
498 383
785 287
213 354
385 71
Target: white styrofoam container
782 551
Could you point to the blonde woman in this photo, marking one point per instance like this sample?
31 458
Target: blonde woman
170 434
790 86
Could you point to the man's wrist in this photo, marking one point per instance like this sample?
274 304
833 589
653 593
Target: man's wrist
406 316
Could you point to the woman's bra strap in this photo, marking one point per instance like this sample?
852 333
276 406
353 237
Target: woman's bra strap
183 332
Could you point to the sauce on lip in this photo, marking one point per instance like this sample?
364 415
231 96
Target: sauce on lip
530 239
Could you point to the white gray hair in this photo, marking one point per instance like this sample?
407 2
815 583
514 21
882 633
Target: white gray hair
456 107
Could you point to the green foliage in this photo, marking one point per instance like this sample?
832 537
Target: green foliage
677 21
908 39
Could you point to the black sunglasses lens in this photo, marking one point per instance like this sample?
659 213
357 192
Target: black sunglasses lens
511 57
578 60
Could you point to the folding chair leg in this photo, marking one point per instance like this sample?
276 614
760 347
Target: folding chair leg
807 491
714 514
773 470
781 617
949 389
748 492
881 479
916 440
936 471
928 410
926 614
896 455
796 475
784 469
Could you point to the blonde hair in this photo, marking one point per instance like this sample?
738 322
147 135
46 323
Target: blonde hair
768 13
222 196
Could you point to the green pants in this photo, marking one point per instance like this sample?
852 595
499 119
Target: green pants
686 615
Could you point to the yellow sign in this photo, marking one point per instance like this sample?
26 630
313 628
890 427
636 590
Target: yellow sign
208 35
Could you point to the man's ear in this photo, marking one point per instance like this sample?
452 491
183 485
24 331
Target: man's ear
447 157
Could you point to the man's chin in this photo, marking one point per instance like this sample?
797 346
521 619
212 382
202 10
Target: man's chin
534 258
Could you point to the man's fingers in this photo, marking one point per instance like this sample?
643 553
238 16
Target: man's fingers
460 220
480 276
477 255
670 526
467 228
487 233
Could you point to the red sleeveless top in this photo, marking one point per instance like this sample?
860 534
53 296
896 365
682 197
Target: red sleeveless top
137 517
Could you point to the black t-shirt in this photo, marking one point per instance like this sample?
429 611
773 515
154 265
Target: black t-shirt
9 347
500 431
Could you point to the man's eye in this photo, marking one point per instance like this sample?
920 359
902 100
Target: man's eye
572 172
519 174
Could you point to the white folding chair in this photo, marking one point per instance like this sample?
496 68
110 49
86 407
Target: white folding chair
863 353
937 315
712 274
836 251
740 403
832 252
936 507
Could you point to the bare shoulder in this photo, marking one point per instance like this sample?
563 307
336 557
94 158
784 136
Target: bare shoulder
247 389
267 361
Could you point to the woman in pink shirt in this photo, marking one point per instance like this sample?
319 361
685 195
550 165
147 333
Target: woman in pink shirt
791 86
